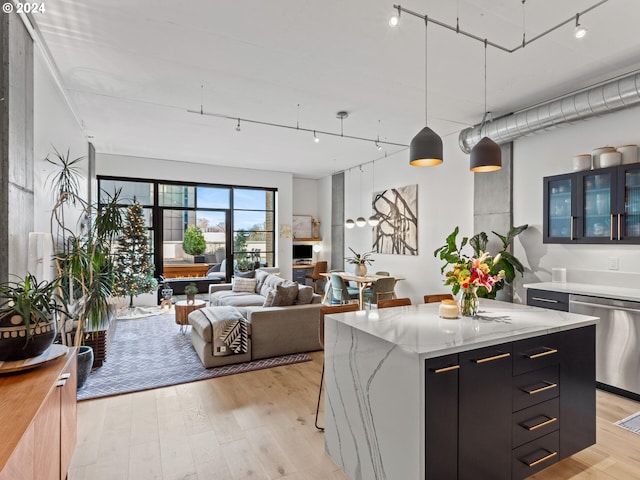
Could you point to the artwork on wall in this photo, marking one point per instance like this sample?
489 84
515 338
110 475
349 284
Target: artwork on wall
397 232
285 230
302 226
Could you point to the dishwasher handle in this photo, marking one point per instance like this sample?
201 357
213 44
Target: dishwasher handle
606 307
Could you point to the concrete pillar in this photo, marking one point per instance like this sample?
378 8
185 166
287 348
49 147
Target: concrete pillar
16 146
337 221
493 206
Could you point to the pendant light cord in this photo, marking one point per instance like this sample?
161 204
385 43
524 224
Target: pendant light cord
524 27
484 116
426 70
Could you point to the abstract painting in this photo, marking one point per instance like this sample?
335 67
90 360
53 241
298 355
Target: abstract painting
397 232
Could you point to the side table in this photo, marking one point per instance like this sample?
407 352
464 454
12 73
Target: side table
183 309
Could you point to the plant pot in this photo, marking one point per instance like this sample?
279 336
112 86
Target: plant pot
13 342
85 362
191 299
360 270
166 293
198 259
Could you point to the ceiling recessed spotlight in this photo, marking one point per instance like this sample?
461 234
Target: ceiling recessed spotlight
579 31
394 19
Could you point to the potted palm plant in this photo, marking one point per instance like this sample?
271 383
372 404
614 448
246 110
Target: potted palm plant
83 253
360 260
28 317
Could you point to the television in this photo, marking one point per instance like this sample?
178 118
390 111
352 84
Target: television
302 252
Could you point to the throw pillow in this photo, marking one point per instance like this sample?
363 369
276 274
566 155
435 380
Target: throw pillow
305 295
285 294
268 300
244 285
260 278
249 274
215 268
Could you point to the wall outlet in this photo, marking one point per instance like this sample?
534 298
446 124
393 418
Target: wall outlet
613 263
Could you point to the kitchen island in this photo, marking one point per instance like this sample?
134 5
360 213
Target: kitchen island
498 396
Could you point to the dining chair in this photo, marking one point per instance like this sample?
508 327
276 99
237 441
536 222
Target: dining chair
394 302
349 307
437 297
318 268
383 288
339 290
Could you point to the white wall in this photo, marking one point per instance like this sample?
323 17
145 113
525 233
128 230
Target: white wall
305 194
139 167
551 153
54 126
445 199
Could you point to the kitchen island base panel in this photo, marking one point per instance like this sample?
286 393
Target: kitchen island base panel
372 393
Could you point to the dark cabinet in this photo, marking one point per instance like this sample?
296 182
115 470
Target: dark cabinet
511 410
593 206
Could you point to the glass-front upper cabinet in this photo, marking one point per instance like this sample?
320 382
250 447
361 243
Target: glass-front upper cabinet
597 221
628 216
560 209
594 206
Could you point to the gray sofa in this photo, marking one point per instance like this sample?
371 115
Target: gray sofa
273 330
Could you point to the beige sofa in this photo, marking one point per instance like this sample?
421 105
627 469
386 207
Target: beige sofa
273 330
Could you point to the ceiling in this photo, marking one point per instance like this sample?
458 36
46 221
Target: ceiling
133 69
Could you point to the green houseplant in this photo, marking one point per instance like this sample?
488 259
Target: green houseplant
28 317
504 261
190 290
360 260
194 243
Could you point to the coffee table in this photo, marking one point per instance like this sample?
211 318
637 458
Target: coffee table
183 309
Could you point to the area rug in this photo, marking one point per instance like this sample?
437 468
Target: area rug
151 352
631 423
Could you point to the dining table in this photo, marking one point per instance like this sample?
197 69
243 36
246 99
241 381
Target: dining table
362 282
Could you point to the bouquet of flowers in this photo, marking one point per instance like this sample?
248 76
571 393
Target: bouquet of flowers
471 273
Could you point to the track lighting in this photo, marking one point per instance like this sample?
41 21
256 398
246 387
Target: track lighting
378 146
315 137
579 31
238 126
394 19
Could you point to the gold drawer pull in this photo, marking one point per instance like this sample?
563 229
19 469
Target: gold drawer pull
542 354
447 369
543 424
548 300
541 389
546 457
491 359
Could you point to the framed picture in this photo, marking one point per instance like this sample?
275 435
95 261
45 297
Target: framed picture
302 226
397 232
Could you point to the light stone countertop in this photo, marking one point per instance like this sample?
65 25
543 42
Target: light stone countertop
604 291
419 329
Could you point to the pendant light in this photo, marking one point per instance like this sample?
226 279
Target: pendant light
486 155
425 149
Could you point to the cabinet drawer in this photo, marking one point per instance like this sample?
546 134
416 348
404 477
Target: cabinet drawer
547 299
535 387
535 422
534 456
534 353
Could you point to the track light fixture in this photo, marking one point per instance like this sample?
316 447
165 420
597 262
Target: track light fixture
394 19
579 31
315 137
238 126
378 146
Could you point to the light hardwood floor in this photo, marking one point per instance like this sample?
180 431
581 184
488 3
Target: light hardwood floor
260 425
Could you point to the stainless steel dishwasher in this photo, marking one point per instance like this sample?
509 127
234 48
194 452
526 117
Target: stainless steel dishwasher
617 340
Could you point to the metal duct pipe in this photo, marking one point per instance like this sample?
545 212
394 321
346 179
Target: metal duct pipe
606 98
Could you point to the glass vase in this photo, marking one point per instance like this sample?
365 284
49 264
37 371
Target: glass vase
469 302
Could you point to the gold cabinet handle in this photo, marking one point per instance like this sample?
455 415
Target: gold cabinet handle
543 424
551 351
541 389
491 359
548 300
446 369
546 457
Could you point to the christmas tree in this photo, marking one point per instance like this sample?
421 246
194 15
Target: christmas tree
133 268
